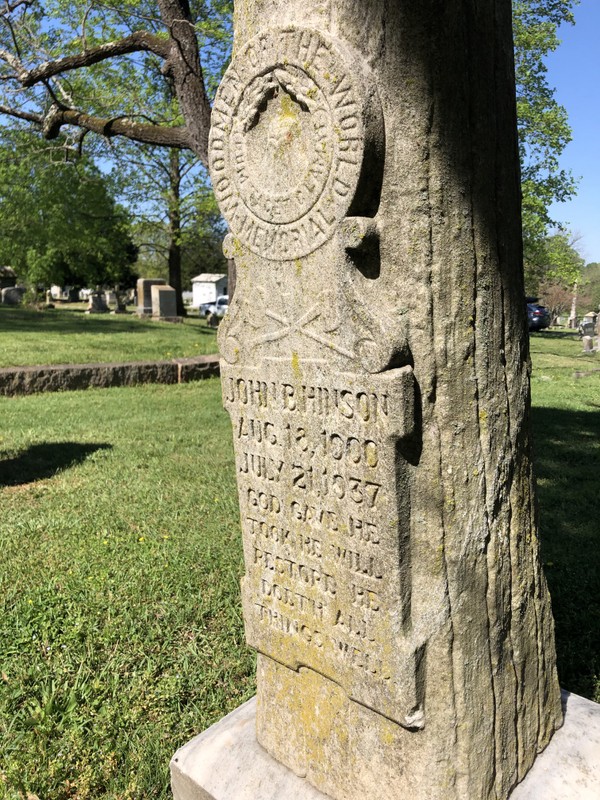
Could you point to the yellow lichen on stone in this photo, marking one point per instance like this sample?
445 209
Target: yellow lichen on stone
296 365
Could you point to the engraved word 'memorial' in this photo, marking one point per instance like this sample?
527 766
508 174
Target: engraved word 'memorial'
287 142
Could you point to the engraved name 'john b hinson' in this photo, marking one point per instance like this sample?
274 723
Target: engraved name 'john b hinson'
322 561
287 142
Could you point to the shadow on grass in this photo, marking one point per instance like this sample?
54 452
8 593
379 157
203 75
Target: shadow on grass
546 334
41 461
567 450
68 321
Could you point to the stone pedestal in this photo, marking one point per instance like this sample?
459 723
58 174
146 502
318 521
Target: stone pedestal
227 763
588 344
144 294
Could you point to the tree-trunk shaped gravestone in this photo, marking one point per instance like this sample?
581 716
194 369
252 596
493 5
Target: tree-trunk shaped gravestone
375 368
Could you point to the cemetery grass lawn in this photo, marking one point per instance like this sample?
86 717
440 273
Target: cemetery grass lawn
566 430
120 630
67 335
120 618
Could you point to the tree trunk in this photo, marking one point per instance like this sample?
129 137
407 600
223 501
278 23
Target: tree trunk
573 314
184 68
175 230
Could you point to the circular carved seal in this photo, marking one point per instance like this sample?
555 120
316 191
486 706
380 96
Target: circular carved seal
287 141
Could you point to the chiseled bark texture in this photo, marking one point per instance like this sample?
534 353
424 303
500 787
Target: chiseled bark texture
450 265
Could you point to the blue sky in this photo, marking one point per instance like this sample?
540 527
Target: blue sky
574 71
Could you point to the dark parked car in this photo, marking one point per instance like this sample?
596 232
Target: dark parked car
538 316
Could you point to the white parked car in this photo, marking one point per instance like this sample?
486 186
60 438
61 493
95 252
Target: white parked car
218 308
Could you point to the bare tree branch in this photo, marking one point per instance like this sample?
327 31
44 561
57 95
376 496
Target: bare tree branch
14 62
119 126
10 7
29 116
58 116
139 41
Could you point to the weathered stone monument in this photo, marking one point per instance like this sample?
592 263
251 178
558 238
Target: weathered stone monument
588 344
164 303
120 302
97 303
375 368
12 295
144 294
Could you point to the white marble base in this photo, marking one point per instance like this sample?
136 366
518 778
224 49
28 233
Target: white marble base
227 763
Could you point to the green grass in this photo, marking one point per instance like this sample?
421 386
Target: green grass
121 635
566 428
67 335
120 632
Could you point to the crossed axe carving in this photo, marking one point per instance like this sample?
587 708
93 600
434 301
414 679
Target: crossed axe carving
299 326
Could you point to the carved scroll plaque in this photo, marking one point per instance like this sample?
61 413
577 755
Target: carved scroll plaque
327 581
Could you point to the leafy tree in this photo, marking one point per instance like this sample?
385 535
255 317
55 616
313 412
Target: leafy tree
59 222
556 298
557 262
590 282
140 70
124 46
146 70
178 227
200 238
158 185
557 276
543 125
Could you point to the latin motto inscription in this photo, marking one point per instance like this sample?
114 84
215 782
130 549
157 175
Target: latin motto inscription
287 141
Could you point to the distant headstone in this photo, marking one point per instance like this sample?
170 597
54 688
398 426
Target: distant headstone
97 304
587 327
13 295
588 344
164 303
144 294
375 370
120 303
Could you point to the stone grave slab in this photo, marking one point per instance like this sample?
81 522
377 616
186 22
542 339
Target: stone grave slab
144 294
97 304
227 763
12 295
164 303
